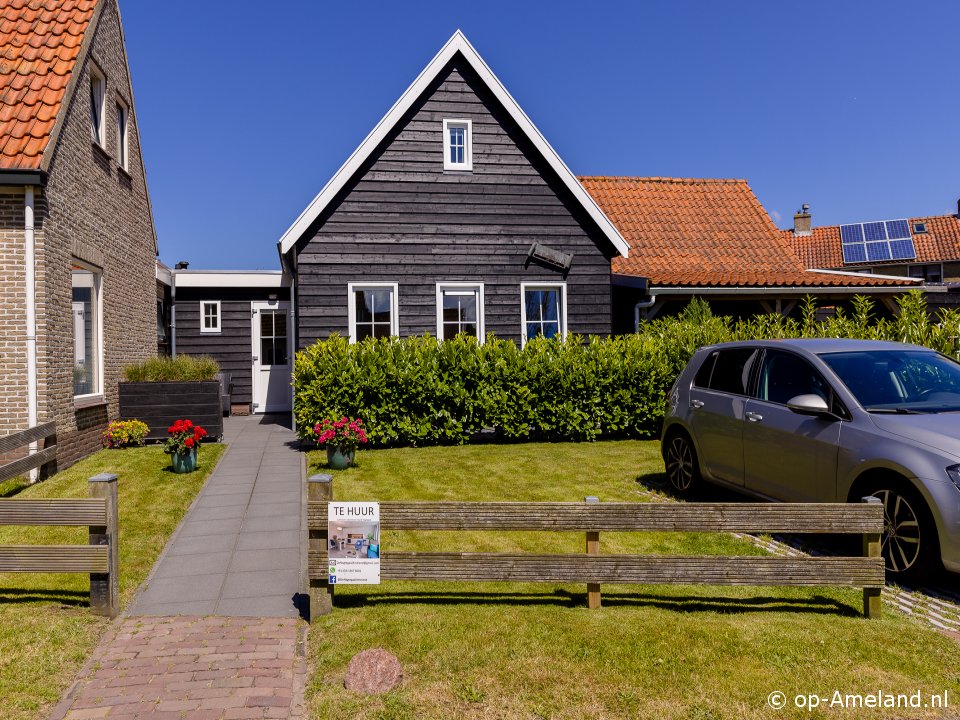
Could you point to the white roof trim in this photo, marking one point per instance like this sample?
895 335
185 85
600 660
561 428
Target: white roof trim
457 43
781 290
229 278
853 273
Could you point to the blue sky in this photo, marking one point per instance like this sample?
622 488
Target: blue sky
246 108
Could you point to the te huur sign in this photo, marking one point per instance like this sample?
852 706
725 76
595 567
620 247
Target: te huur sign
353 532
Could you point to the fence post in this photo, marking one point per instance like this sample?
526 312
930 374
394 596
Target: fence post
593 548
105 587
319 490
871 548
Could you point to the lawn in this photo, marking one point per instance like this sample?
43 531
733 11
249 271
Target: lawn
46 627
534 651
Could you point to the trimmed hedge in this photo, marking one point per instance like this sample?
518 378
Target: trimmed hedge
419 391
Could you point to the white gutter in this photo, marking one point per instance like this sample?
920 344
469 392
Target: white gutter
854 273
31 291
786 290
641 305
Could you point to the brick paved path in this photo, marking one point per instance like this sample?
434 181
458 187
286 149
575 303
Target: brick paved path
192 668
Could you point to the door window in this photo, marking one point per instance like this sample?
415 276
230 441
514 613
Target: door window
273 337
784 375
729 370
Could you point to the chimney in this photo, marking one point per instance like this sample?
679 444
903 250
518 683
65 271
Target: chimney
183 264
801 221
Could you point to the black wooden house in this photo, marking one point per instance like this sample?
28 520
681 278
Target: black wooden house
453 215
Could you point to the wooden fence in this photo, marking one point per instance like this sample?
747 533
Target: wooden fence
99 557
10 443
593 517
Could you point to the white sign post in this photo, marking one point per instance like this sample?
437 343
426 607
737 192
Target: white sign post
353 534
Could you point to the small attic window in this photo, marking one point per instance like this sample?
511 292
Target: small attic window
98 87
919 227
457 145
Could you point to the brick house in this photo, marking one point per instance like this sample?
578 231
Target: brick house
712 238
77 242
929 251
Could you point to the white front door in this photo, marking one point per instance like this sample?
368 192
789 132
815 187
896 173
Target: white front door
271 357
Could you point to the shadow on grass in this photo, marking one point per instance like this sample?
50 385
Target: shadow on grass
817 604
72 598
8 490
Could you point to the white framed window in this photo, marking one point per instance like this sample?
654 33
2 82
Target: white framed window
87 329
209 316
457 145
372 310
122 146
459 310
98 91
543 310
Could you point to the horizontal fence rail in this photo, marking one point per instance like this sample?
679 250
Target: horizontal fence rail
622 517
99 558
592 518
9 443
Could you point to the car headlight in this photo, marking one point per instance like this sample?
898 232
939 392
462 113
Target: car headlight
954 472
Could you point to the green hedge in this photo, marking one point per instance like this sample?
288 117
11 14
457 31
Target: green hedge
419 391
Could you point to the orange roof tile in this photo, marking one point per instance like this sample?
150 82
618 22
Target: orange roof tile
821 249
700 233
40 42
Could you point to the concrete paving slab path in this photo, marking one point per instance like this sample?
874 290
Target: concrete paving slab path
238 551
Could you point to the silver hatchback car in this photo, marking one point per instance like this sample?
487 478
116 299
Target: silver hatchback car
828 421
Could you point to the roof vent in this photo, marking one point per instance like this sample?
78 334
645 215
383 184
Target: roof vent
182 265
801 221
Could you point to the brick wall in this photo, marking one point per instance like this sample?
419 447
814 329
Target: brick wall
91 210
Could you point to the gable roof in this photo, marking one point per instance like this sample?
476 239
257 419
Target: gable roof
821 249
705 233
40 44
458 43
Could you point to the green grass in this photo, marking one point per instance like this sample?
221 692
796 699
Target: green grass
534 651
46 627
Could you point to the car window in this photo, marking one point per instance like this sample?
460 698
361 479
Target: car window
899 380
784 375
731 370
702 378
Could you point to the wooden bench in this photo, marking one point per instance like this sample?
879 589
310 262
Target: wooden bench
10 443
592 518
99 557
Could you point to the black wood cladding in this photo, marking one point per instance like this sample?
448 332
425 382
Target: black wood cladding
403 219
232 346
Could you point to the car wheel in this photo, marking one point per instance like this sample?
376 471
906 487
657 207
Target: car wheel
680 461
909 539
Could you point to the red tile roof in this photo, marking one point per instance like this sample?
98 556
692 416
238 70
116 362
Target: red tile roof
702 233
822 248
40 41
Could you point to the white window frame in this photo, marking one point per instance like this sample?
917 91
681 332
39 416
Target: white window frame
524 286
123 134
97 326
467 125
203 316
352 306
98 95
477 289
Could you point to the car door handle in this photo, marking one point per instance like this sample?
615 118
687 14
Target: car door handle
754 417
696 404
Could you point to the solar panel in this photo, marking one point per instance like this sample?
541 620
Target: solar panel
877 241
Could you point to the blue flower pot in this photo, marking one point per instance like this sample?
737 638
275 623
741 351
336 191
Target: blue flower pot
340 459
184 463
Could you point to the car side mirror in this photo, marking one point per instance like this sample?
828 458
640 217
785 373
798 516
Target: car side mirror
809 405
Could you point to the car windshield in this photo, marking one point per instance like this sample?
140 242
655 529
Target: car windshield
899 381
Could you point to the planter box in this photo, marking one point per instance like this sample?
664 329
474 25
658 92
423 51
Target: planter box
159 404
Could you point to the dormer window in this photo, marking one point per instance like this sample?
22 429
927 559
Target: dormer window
458 145
98 86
